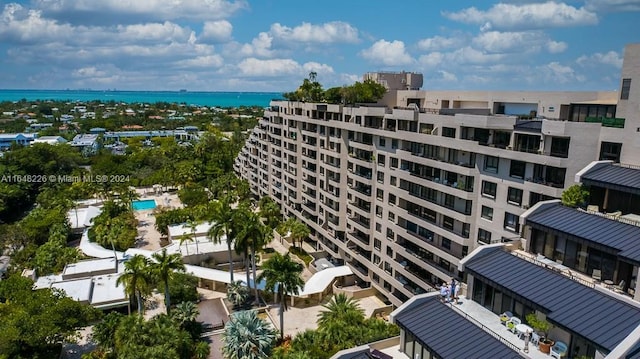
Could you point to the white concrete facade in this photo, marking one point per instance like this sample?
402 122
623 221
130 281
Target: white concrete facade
403 192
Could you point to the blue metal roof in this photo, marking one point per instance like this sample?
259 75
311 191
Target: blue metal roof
613 176
448 334
596 316
622 239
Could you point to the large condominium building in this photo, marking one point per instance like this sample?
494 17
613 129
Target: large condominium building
404 189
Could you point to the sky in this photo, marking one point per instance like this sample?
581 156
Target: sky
271 45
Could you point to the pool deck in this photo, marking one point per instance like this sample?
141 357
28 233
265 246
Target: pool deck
148 237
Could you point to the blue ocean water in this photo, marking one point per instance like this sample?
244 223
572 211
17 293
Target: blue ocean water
220 99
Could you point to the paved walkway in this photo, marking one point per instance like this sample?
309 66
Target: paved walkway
280 248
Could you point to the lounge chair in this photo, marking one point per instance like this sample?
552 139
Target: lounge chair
559 350
512 323
597 275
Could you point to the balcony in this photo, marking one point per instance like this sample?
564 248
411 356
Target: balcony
607 122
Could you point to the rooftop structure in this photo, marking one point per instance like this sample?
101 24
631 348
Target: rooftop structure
404 189
8 139
50 140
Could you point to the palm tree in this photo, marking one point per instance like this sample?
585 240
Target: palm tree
250 237
222 218
193 225
297 230
163 269
136 278
237 293
341 309
185 237
281 272
185 312
246 336
201 350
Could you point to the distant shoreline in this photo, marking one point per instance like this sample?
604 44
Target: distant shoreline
197 98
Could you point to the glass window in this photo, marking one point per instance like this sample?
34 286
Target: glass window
381 160
394 181
446 243
489 189
484 236
394 143
382 142
380 177
511 221
487 213
626 87
392 199
560 147
394 162
514 196
491 163
517 169
449 132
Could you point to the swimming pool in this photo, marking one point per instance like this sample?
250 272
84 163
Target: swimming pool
143 205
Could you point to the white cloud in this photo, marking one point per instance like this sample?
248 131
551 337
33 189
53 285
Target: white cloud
216 31
387 53
437 43
526 16
21 25
431 59
279 67
91 11
259 46
330 32
557 73
209 61
612 5
610 58
448 76
556 47
320 69
501 42
469 55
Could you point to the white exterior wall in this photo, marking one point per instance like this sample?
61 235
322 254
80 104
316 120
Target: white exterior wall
267 162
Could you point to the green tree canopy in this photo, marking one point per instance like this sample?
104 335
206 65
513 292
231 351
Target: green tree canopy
35 323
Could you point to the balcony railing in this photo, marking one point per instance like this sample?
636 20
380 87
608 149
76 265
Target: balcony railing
606 122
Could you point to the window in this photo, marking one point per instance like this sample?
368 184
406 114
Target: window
390 252
392 216
447 222
378 227
446 243
491 163
380 194
511 222
517 169
379 211
449 132
626 87
610 151
426 128
382 142
380 176
394 162
394 181
392 199
487 213
381 160
514 196
489 189
390 234
560 147
484 236
449 200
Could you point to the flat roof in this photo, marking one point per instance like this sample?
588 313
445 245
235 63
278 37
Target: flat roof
613 176
322 279
596 316
84 216
78 289
106 292
619 237
89 267
447 333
